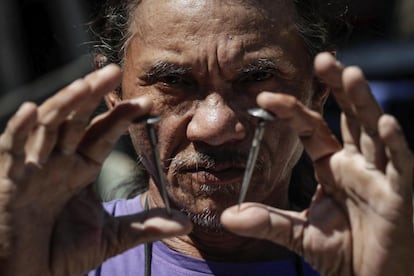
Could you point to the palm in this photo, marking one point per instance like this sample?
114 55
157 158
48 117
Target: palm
378 215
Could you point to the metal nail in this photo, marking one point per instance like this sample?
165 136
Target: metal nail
150 121
263 116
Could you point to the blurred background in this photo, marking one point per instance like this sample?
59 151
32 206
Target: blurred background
44 46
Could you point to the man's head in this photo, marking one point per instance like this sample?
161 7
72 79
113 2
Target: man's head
203 63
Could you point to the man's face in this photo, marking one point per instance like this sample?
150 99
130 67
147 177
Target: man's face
203 63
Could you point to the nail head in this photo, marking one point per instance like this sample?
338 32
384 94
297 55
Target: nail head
261 114
149 120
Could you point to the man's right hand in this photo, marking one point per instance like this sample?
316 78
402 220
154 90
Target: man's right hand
51 223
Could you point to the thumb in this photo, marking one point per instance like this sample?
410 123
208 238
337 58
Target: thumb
263 222
148 226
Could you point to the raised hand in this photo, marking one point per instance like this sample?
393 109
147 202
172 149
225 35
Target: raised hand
49 156
360 219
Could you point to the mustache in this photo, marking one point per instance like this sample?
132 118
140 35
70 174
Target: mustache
211 159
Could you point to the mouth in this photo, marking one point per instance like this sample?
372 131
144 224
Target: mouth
215 175
229 176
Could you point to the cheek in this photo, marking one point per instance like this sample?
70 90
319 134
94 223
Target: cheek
284 149
141 145
173 110
170 136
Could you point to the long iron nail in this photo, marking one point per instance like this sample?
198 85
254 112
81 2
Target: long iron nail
161 178
263 116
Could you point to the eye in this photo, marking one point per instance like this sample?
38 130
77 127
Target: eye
175 80
171 79
261 76
257 76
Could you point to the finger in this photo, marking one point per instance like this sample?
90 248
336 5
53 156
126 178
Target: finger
359 93
7 194
148 226
100 83
12 158
330 71
312 130
55 111
401 165
13 141
107 128
67 102
50 115
368 113
259 221
316 234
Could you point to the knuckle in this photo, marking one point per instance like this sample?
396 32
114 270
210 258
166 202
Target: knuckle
292 102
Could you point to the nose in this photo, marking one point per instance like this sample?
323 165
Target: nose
215 123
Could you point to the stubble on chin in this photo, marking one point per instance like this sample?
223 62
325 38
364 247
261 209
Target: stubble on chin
207 219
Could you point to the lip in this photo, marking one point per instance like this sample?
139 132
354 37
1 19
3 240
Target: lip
218 177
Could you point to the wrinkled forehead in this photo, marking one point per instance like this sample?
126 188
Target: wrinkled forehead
167 16
265 7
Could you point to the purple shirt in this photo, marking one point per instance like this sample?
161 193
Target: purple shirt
167 262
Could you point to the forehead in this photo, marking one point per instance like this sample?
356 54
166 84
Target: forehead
223 33
157 19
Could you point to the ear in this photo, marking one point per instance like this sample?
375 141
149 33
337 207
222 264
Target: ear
112 98
100 61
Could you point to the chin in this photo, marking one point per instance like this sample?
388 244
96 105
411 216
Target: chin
208 220
206 206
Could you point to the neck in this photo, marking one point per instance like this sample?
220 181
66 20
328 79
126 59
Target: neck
226 247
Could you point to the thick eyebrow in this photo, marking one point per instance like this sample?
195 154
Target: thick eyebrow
284 67
162 68
258 65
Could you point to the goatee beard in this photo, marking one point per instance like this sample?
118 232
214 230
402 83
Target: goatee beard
207 220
